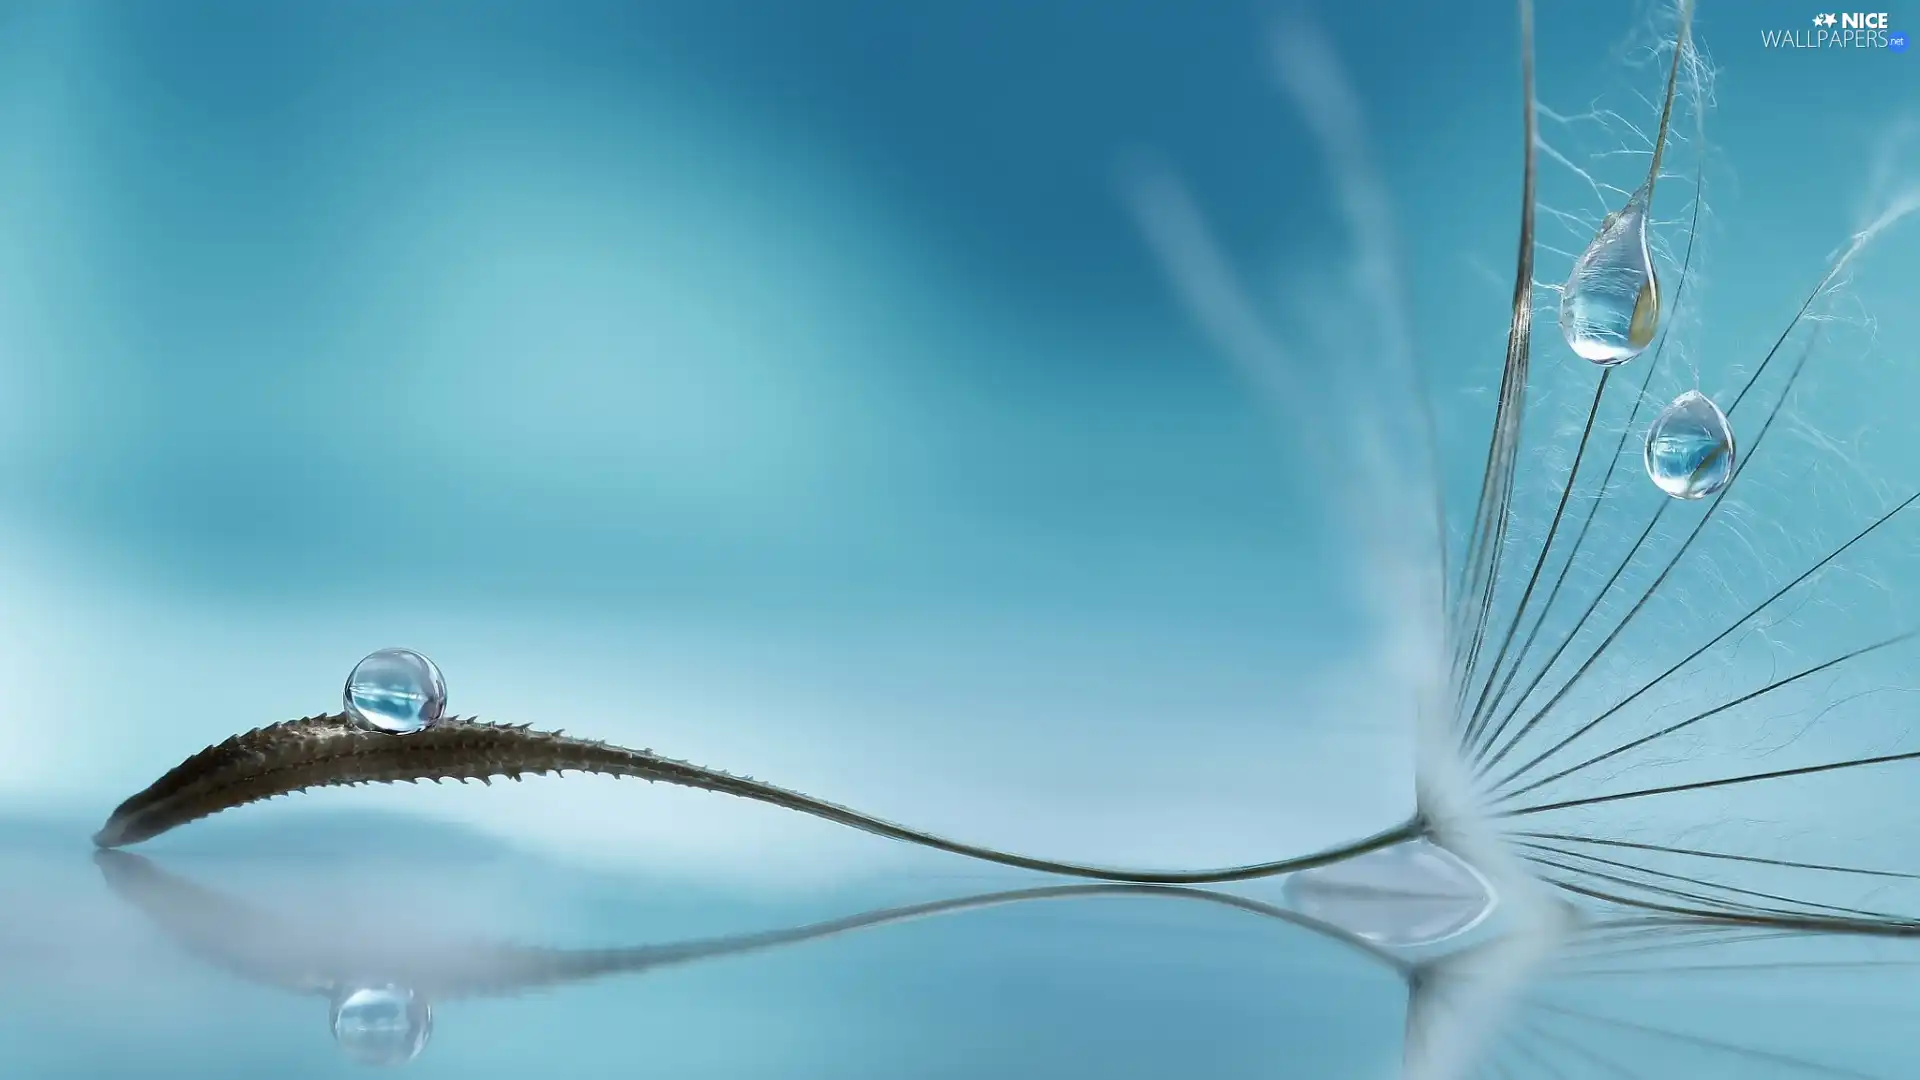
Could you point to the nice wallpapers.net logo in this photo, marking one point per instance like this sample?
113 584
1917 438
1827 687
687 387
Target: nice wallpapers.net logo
1839 30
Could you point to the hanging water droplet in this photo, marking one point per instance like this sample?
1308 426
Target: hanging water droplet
1408 895
1610 307
397 691
381 1025
1689 451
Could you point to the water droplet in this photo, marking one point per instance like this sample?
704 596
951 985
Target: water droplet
1689 450
381 1025
397 691
1610 307
1411 894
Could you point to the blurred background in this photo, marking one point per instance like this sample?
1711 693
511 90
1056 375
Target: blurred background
789 388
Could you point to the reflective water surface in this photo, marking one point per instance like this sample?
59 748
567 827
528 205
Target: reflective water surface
358 942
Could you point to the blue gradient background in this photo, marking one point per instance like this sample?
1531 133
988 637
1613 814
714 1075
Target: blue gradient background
785 388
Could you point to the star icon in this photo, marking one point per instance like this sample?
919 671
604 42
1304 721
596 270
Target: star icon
1831 20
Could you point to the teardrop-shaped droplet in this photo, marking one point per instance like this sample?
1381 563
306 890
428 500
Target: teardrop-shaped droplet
1689 451
397 691
1411 894
381 1025
1610 307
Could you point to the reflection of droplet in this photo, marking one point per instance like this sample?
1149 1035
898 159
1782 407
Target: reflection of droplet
381 1025
1416 893
1689 450
1610 307
397 691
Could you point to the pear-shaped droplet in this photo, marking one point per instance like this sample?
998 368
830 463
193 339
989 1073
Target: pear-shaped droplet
1689 449
381 1025
1610 307
1412 894
397 691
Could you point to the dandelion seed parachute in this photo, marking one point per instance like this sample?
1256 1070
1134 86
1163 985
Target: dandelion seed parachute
1522 729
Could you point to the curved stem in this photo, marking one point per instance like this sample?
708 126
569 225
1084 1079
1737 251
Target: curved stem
330 751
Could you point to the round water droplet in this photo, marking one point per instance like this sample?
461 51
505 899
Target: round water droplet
397 691
1610 307
1411 894
1689 451
381 1025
